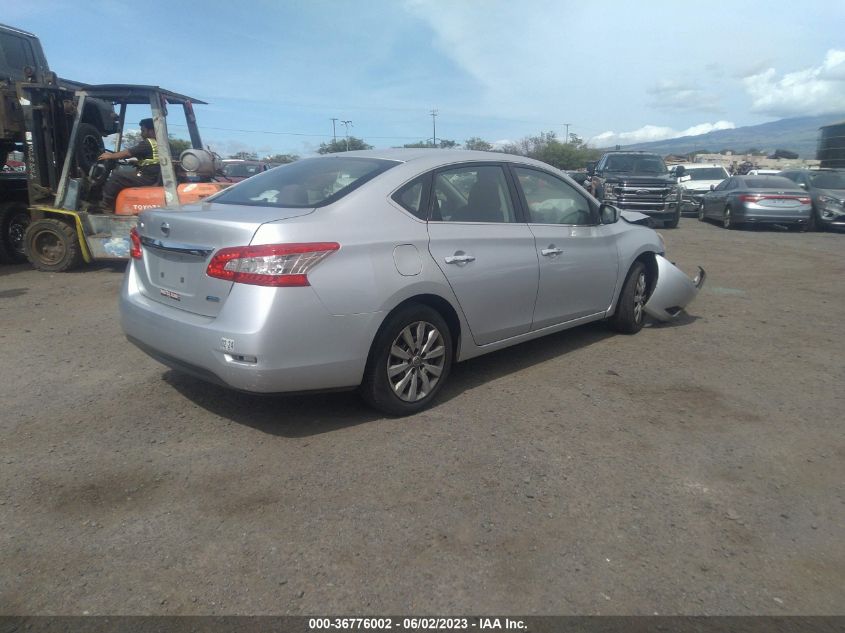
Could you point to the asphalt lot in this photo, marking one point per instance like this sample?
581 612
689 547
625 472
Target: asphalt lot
695 468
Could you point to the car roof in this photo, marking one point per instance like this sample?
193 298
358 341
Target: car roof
697 165
429 158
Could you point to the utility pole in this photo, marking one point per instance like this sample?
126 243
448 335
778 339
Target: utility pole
566 140
346 124
334 134
433 114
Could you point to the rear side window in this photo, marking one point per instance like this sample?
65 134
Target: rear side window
311 182
413 197
475 193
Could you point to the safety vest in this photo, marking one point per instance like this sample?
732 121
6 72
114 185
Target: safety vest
147 162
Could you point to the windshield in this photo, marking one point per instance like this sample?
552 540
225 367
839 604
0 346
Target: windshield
312 182
706 173
828 180
637 164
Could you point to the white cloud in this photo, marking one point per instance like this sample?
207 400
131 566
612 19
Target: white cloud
649 133
817 90
671 95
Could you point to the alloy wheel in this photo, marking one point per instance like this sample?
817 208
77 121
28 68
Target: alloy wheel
639 297
416 361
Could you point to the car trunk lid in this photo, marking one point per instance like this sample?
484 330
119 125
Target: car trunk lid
178 246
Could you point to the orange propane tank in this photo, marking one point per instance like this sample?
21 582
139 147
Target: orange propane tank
133 200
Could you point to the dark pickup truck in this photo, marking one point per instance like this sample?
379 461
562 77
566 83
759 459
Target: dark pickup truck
22 60
637 181
14 216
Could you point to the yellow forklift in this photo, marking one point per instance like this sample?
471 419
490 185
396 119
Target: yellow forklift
65 226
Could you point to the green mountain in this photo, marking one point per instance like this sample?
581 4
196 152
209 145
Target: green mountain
799 135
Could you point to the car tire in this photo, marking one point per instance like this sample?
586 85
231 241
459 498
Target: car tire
814 224
672 223
397 379
14 220
701 217
52 246
727 219
629 316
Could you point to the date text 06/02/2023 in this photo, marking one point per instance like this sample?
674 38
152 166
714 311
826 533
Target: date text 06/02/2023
419 623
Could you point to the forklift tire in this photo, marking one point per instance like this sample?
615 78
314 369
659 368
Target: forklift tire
52 246
14 219
89 146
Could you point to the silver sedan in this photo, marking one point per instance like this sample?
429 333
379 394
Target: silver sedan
763 199
380 269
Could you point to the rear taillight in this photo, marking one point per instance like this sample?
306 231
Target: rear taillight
805 200
270 264
135 248
751 197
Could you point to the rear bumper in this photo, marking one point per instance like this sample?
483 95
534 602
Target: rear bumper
289 343
763 216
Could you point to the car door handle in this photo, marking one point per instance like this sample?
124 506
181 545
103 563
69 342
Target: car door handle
551 251
459 259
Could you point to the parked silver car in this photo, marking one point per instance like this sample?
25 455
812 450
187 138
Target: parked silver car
756 200
379 269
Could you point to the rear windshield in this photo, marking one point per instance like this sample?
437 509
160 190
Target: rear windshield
706 173
241 170
769 182
828 180
311 182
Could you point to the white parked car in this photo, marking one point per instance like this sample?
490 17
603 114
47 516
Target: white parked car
695 179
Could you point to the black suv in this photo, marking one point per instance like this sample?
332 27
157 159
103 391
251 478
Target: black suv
827 189
637 181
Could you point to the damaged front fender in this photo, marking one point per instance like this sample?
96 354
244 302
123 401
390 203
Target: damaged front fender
673 291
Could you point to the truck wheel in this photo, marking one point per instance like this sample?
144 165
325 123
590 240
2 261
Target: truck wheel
14 219
89 145
52 246
672 223
630 309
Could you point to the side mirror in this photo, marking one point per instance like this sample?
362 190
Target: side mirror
712 187
591 167
608 213
680 170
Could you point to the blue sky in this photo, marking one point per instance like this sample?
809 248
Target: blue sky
276 72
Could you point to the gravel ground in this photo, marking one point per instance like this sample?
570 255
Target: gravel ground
695 468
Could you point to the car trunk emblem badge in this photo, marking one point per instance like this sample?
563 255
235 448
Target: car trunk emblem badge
165 228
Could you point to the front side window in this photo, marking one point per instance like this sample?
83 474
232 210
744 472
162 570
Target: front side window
724 184
311 182
550 200
476 193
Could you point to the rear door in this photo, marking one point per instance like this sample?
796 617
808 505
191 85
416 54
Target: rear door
577 256
484 249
